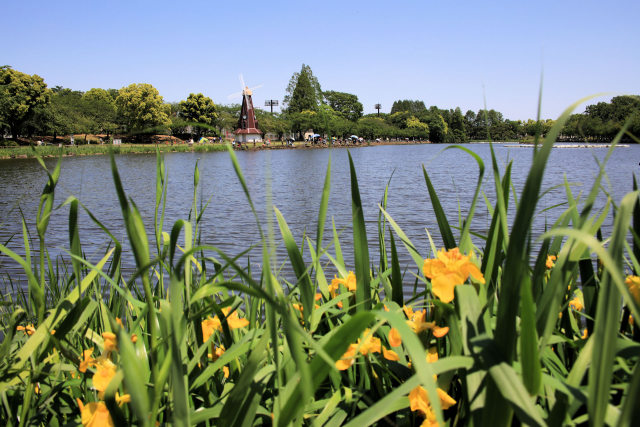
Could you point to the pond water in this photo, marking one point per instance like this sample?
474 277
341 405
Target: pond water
295 179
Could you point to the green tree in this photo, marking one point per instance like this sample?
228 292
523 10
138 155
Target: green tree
272 123
438 128
228 117
198 110
303 121
64 114
141 108
100 109
20 95
303 91
345 104
414 107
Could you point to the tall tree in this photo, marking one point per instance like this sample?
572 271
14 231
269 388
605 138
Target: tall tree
100 108
65 113
20 95
199 110
303 91
141 107
413 107
345 104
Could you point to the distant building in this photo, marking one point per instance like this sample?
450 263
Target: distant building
247 130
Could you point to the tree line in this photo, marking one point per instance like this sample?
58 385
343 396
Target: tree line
28 107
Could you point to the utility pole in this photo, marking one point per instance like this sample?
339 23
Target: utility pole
271 103
378 107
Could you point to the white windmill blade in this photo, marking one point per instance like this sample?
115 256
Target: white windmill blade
242 85
235 95
255 87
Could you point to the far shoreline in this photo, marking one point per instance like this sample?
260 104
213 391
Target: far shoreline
49 150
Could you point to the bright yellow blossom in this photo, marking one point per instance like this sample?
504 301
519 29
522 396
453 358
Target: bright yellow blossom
347 358
95 414
449 270
418 323
110 341
87 360
29 329
105 371
390 354
349 282
209 326
394 338
432 355
576 304
366 345
633 284
419 401
121 400
212 324
550 261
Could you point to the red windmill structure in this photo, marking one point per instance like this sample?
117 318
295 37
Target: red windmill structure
247 130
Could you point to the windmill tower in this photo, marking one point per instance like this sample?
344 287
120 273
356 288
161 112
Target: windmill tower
247 130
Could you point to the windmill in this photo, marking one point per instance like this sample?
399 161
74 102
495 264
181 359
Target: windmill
247 129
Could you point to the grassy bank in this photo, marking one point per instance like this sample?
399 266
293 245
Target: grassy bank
87 150
23 152
195 337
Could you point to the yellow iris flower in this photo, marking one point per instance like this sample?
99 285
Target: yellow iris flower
95 414
212 324
419 401
633 284
105 371
364 346
448 270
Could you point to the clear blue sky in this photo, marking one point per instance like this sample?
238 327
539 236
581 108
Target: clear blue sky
442 52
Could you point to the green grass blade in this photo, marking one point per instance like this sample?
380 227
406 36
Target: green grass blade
465 239
531 371
443 224
360 245
397 292
324 204
307 291
605 330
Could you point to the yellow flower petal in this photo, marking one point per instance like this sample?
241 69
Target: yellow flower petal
110 341
440 332
432 355
390 354
446 401
95 414
105 371
394 338
633 284
576 304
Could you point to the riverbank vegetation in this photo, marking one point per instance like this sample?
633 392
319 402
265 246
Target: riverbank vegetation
31 110
495 328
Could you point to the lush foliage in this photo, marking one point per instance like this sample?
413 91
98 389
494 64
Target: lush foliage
501 328
198 110
25 110
345 104
20 95
141 108
303 91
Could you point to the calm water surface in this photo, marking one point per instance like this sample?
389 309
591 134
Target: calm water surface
296 179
